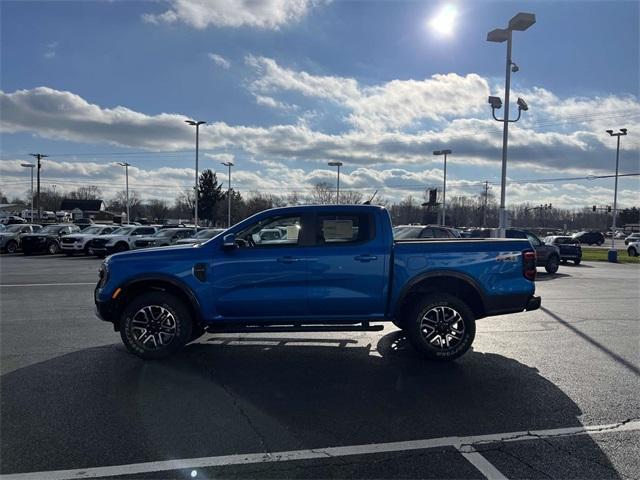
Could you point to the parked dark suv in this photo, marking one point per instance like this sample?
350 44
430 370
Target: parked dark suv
547 256
589 238
47 240
569 248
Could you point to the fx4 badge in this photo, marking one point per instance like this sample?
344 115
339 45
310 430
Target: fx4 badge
508 257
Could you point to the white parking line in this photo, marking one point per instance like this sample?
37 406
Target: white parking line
44 284
463 444
483 465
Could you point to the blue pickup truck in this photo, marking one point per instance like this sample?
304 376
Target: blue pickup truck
332 268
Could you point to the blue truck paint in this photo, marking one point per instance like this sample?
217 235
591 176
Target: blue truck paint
318 284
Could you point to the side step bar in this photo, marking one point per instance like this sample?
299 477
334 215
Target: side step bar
295 328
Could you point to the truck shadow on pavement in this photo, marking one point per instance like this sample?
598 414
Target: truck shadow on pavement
103 406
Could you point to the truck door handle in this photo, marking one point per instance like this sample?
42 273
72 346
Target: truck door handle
365 258
288 259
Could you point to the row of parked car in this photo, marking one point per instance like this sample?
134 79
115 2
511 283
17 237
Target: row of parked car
98 240
551 251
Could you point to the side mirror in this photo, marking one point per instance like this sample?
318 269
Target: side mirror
229 241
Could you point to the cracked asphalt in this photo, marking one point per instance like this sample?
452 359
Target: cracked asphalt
71 397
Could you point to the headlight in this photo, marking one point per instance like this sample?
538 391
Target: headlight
103 274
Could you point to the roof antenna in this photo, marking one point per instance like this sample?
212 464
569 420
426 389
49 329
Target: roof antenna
368 202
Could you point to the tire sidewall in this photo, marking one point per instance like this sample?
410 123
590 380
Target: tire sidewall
52 246
412 326
171 303
552 265
12 247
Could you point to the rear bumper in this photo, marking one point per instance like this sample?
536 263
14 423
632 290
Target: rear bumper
515 303
533 303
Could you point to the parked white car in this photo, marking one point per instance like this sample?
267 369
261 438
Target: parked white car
633 249
79 242
120 240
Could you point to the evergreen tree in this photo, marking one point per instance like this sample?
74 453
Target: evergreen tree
209 195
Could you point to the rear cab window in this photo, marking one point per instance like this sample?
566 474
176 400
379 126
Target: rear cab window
344 229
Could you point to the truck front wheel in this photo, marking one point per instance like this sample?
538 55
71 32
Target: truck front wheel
155 325
441 326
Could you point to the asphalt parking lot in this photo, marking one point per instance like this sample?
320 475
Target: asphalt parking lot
546 394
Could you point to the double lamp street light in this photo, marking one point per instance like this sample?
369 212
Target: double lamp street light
521 22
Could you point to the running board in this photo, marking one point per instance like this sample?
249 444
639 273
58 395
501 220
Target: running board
295 328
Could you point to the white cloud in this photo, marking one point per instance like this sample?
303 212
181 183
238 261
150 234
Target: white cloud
266 14
273 103
390 106
219 60
63 115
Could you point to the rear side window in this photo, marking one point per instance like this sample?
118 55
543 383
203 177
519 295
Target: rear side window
343 229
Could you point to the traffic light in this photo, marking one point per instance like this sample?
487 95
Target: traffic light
594 208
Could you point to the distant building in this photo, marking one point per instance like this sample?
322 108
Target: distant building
94 209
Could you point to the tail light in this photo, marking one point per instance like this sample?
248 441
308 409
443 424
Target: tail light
529 265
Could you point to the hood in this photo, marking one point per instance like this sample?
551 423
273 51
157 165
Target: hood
147 239
8 234
34 235
172 252
111 236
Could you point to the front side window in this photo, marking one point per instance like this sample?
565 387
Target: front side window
342 229
533 239
272 231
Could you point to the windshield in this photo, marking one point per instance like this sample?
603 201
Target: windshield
408 232
92 230
13 228
208 233
122 231
165 233
51 229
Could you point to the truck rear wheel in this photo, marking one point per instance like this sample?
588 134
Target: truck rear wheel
552 265
155 325
440 326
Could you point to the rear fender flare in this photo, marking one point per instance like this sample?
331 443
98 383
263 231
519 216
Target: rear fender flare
406 290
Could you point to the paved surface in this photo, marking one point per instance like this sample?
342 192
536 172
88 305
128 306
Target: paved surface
73 398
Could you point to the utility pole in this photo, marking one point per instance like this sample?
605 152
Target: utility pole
126 182
39 156
228 164
486 199
197 125
613 253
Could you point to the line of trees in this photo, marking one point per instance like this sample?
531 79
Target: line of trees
462 211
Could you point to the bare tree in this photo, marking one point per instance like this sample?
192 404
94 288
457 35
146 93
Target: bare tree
321 194
90 192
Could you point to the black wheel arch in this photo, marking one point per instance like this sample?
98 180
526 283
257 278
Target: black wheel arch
443 281
163 283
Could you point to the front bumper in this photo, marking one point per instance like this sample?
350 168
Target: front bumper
72 247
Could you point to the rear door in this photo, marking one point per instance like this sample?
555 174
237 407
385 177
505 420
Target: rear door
347 266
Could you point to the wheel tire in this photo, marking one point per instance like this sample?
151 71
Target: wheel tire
425 314
552 265
170 325
121 247
632 252
577 262
564 261
12 247
53 248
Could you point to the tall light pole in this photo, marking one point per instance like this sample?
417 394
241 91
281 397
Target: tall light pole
228 164
126 183
520 22
337 164
444 187
39 156
197 125
31 166
613 253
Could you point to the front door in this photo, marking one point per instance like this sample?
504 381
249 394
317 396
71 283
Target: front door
265 277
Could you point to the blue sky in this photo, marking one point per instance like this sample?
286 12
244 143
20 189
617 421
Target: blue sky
290 85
